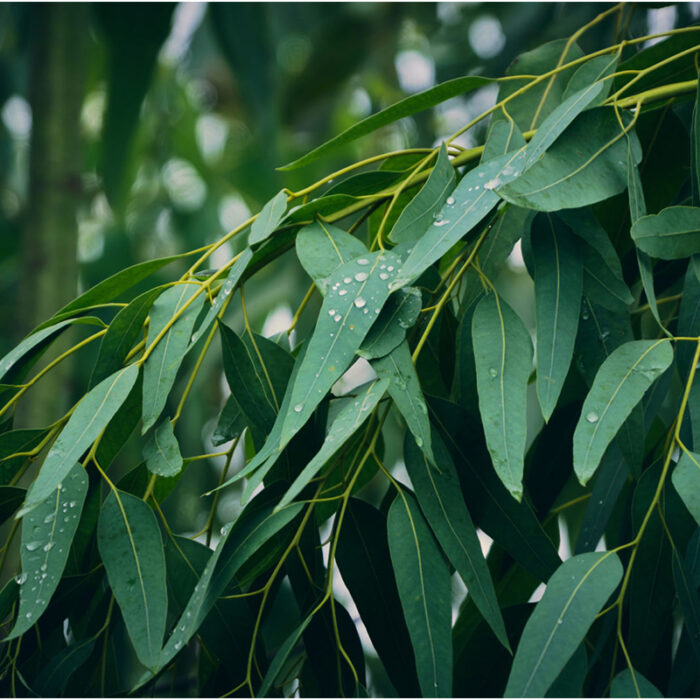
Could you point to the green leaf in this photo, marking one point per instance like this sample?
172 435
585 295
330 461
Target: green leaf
629 684
424 588
618 387
161 366
502 137
405 389
364 561
574 595
89 419
348 421
47 534
112 287
503 357
322 248
417 217
596 69
439 495
586 164
671 234
468 204
569 682
399 313
162 452
14 442
11 498
688 597
268 219
53 677
230 424
403 108
686 480
558 289
601 283
280 658
121 335
131 548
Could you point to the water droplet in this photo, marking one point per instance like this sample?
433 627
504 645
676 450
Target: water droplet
361 276
440 222
419 441
342 292
337 318
492 184
559 621
383 276
21 578
359 302
331 312
43 567
178 645
362 261
365 310
585 315
347 280
72 504
605 334
49 546
592 417
28 616
49 518
298 408
450 201
437 216
493 372
32 546
390 268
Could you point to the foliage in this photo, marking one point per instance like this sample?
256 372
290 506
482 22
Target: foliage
593 438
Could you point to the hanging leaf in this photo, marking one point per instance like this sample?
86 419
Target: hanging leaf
469 203
53 677
584 165
632 684
574 595
268 219
618 387
161 367
231 423
502 137
131 548
558 288
280 659
503 357
89 419
417 217
322 248
47 534
162 451
404 108
424 588
686 480
671 234
388 331
348 421
439 495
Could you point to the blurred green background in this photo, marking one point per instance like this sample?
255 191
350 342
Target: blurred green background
132 131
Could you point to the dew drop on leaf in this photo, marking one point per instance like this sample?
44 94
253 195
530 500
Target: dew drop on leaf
361 276
32 546
359 302
298 408
592 417
21 578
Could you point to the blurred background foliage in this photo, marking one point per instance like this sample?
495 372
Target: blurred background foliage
183 111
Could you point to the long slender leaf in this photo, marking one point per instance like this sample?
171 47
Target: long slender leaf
503 356
424 588
573 597
268 219
131 548
280 658
47 534
618 387
90 417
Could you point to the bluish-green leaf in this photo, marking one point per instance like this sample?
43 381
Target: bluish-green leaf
558 288
47 534
417 217
130 544
595 69
268 219
574 595
162 451
618 387
502 137
90 417
439 495
628 684
388 331
503 357
405 389
322 248
161 366
424 588
671 234
586 164
404 108
230 424
469 203
686 480
348 421
53 677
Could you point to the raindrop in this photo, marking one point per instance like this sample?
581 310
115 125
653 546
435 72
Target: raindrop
28 616
605 334
342 292
493 372
592 417
359 302
419 441
43 567
21 578
450 201
298 408
347 280
49 518
49 546
363 261
331 312
177 645
390 268
585 315
365 310
32 546
492 184
383 276
72 504
440 222
337 318
361 276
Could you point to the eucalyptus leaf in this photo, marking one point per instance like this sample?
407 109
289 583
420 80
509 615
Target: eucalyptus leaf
596 69
686 480
574 595
671 234
618 387
162 451
131 548
503 357
268 219
502 137
632 684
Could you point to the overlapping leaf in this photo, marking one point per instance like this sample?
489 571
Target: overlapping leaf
162 451
268 219
671 234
